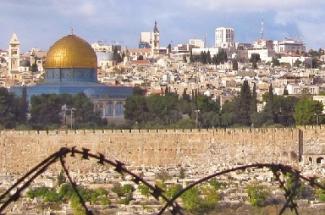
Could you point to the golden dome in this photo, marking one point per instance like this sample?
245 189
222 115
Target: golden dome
71 52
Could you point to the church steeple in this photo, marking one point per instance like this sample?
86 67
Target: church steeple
14 53
156 39
155 29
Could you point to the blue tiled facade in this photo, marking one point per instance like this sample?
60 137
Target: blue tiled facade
74 81
107 99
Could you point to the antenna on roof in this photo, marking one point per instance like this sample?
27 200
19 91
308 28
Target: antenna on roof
71 30
262 29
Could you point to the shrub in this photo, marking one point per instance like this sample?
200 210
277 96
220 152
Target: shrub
144 190
172 190
320 193
257 195
191 199
163 175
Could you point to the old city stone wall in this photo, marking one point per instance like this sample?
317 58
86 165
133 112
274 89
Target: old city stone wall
21 150
313 145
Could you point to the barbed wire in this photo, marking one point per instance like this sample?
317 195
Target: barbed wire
25 181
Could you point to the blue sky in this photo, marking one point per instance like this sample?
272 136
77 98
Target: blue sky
39 23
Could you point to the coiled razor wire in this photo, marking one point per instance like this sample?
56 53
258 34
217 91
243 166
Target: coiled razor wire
25 181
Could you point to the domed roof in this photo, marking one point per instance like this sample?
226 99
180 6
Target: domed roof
71 52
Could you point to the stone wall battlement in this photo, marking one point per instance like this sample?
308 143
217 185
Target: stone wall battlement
158 131
21 150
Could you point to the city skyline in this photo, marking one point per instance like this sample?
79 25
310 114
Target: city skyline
39 23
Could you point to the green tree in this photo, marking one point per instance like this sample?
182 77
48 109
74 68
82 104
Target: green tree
297 63
184 59
191 57
169 48
136 109
285 91
275 61
45 111
208 56
278 110
9 108
235 65
205 104
203 57
139 91
117 55
254 100
244 105
34 67
255 58
210 119
269 106
220 58
307 111
84 115
315 62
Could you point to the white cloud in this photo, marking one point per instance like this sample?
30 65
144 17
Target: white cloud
84 8
312 33
306 15
87 9
252 5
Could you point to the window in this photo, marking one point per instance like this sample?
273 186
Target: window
119 109
109 108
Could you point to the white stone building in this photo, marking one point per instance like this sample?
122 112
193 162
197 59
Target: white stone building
198 43
224 38
297 89
289 46
263 44
265 54
213 51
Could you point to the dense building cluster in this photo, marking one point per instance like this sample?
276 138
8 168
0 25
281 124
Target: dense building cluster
216 72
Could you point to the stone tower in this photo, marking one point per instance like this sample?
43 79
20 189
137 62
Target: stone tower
156 38
14 53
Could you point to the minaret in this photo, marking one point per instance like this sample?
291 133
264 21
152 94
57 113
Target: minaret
156 37
14 53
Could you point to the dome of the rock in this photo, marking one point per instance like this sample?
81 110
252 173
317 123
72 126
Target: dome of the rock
71 52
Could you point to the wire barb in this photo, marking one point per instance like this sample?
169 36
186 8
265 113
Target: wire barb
278 171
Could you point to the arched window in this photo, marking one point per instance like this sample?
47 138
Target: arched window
109 108
119 109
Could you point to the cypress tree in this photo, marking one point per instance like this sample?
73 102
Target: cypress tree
269 107
244 106
208 57
254 100
23 106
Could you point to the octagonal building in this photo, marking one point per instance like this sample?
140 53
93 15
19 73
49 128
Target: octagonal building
71 68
